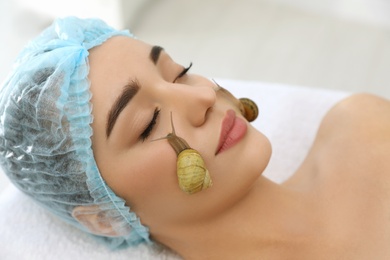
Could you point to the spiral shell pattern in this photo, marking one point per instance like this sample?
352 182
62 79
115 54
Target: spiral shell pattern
247 107
191 172
190 167
250 110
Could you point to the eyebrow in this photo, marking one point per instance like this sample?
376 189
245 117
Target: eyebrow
155 53
128 92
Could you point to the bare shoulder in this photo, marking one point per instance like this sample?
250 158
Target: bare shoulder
356 129
365 115
352 156
364 103
353 139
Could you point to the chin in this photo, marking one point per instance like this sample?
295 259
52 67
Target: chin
245 163
235 175
258 151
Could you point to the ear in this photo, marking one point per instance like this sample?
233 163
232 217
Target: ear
94 220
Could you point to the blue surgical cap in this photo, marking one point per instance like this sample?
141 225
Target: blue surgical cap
45 130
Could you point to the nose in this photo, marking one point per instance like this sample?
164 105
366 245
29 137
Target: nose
196 99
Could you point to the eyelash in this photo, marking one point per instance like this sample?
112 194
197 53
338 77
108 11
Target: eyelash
146 133
184 72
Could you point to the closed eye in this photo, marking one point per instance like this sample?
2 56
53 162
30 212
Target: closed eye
149 128
183 72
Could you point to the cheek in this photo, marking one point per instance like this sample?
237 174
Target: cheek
151 174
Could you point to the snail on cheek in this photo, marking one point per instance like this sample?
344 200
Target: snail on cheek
191 170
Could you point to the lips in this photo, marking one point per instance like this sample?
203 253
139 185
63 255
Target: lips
232 131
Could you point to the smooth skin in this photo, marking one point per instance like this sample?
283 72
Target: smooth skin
336 206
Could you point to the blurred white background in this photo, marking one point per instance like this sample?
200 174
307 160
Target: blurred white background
336 44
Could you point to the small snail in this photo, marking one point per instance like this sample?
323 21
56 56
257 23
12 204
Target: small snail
250 110
191 170
248 107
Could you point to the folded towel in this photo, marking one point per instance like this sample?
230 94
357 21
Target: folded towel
289 116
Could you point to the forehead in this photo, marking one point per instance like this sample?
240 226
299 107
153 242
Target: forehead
114 63
117 48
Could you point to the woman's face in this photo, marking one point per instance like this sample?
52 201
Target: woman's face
135 89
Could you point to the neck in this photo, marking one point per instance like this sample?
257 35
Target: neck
271 216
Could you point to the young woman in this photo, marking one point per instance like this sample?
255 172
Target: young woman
336 205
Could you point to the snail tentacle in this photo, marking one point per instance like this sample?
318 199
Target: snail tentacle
191 170
247 107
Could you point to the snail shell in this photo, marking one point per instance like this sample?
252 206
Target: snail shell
250 110
190 167
248 107
191 172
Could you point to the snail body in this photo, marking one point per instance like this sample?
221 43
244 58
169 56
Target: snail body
190 167
247 107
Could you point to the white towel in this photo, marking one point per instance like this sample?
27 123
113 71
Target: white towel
289 116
